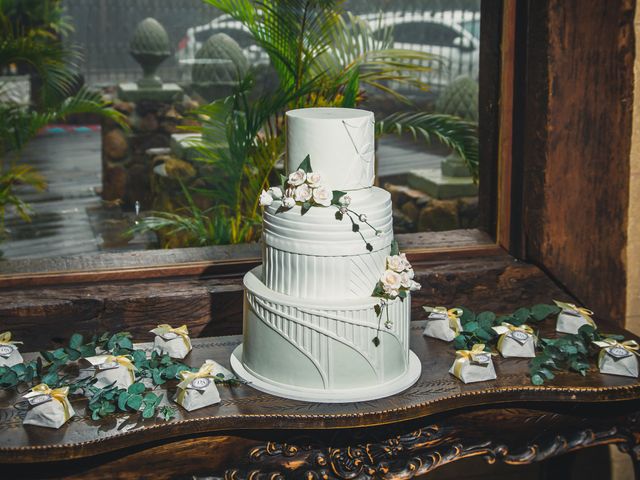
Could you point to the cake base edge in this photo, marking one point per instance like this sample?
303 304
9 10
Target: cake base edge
374 392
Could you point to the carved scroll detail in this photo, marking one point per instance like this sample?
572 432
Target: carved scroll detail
416 453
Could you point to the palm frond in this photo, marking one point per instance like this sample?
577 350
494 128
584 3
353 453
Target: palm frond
454 132
355 45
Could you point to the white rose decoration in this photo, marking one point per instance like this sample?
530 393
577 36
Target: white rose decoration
313 179
391 280
275 192
322 196
411 273
288 202
297 178
415 286
405 280
265 199
392 292
302 193
395 263
407 264
344 200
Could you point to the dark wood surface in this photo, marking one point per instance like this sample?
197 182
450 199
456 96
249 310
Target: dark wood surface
47 317
244 408
577 134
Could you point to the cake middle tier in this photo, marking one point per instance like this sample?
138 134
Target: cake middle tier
316 255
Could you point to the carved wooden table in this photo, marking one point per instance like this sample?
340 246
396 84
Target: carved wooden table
255 435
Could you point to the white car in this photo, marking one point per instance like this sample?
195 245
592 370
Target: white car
451 36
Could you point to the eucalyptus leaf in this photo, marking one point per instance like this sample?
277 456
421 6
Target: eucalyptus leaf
75 341
134 402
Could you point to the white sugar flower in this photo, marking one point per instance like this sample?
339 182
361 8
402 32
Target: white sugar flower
302 193
297 178
265 199
407 264
395 263
405 280
391 280
313 179
344 201
392 292
288 202
415 286
411 273
275 192
322 196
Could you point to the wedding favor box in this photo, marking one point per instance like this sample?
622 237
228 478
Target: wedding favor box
174 342
9 354
516 341
198 389
48 407
473 365
618 358
571 318
116 370
442 323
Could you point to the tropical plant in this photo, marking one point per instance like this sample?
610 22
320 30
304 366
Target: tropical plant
30 41
322 57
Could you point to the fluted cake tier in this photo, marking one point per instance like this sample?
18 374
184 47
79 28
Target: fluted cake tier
316 256
323 351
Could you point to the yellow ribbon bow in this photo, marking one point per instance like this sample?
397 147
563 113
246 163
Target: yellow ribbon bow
182 331
630 346
464 356
59 394
584 312
186 377
5 339
511 328
453 314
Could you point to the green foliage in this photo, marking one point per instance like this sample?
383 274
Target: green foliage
567 352
459 135
10 377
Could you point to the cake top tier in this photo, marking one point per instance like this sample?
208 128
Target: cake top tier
339 142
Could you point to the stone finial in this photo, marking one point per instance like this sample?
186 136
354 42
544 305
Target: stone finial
150 47
219 66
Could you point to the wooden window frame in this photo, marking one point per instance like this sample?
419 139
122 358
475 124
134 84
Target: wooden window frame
497 52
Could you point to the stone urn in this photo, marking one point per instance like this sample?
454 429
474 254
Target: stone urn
150 47
219 65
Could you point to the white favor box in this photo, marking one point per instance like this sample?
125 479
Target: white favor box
438 327
201 392
479 370
50 413
618 361
570 322
9 355
108 373
172 344
516 344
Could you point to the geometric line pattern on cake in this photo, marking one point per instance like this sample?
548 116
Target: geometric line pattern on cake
312 276
311 330
365 271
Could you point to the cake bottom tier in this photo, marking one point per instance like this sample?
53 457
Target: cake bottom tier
323 350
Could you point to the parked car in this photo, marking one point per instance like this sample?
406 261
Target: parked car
451 36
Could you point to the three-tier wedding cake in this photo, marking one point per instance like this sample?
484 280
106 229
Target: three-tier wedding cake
327 314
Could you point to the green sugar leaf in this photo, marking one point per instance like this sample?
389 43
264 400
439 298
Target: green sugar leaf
305 165
136 388
305 208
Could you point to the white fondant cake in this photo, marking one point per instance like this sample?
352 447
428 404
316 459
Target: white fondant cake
310 319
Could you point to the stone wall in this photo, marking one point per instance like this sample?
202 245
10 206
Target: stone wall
415 211
126 166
